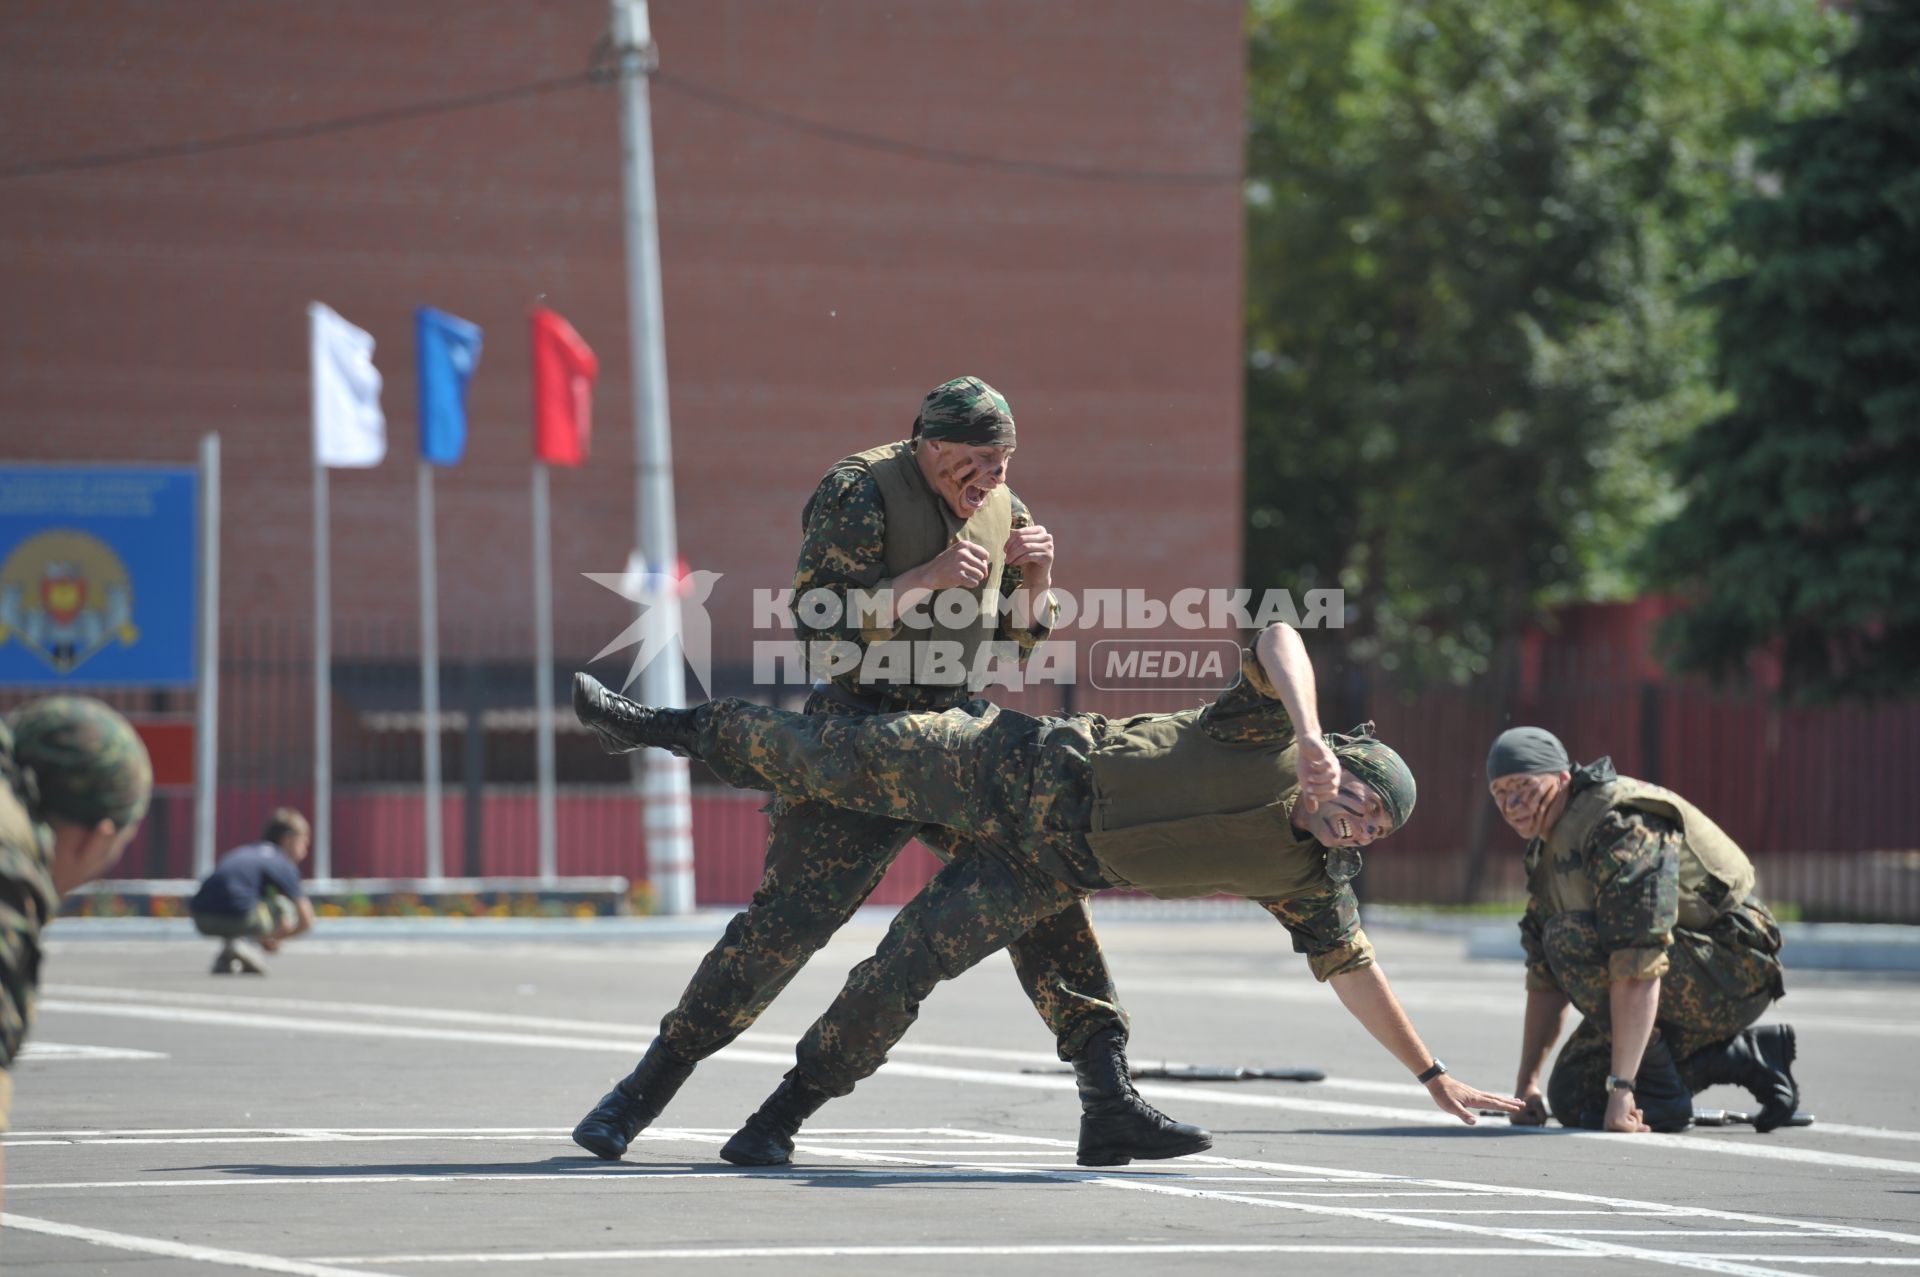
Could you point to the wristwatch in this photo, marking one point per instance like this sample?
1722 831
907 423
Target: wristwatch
1433 1071
1617 1083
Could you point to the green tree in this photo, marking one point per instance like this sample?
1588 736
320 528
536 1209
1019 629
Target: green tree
1800 535
1470 225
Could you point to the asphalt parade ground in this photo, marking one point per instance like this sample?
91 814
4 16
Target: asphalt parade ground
402 1106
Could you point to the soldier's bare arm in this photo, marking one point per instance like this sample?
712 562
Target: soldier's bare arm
1283 658
1633 1004
1545 1017
1368 997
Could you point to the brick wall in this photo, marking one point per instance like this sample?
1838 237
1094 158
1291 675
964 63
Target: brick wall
814 290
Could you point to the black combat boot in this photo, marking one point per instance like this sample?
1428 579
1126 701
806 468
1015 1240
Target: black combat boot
767 1137
1116 1125
624 725
1761 1060
634 1101
1662 1096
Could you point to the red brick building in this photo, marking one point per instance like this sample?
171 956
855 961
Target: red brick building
1033 229
857 201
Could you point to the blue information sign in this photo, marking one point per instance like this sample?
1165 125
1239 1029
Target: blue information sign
98 575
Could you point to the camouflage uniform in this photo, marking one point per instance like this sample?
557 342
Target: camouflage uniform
69 759
1021 792
824 859
1714 982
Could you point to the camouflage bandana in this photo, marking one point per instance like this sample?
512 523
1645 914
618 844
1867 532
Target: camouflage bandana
967 411
1379 768
80 761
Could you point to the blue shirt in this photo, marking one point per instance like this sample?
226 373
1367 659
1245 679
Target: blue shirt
243 874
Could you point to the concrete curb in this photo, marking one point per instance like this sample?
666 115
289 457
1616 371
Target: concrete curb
1812 946
704 925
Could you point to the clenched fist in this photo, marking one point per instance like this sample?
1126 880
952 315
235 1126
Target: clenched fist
1031 548
961 565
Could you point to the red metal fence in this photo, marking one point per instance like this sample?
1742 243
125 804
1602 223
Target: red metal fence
1820 797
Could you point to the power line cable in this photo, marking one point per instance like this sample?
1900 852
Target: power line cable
295 132
941 154
558 84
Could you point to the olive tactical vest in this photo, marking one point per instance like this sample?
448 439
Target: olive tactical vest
1177 813
1715 875
920 525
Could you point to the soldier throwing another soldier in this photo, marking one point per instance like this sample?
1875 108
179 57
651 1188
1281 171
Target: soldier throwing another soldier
917 524
1242 796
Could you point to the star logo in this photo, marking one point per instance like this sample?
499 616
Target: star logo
672 612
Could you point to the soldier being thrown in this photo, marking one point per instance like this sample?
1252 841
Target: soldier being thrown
923 522
1640 913
1227 798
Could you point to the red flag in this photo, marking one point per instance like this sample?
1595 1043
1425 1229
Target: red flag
563 373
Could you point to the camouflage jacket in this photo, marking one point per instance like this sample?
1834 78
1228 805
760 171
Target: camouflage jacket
1632 862
843 547
27 902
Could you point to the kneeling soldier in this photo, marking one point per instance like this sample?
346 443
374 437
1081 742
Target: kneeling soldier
1243 796
1640 913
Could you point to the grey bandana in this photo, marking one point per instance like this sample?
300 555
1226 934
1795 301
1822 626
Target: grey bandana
1526 751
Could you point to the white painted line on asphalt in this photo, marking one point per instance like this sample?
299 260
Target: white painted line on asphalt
1155 1178
1503 1210
588 1173
903 1252
1889 1260
1684 1232
1415 1192
307 1024
1734 1146
1406 1090
1468 996
1580 1245
1622 1204
106 1136
180 1250
46 1051
1164 1173
479 1132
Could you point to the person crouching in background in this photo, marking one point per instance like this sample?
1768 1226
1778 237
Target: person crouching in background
254 894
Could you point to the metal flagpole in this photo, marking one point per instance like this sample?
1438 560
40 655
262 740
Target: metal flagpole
543 668
206 710
430 674
664 784
322 681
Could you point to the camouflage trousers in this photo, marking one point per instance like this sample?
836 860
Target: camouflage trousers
275 912
827 848
1718 982
970 771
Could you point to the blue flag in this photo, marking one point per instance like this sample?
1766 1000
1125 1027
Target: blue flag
449 351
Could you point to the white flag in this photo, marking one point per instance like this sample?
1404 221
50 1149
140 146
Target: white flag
348 427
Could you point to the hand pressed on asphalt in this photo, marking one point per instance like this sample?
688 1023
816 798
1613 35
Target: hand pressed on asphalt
1453 1096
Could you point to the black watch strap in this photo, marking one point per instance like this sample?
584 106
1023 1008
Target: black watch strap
1433 1071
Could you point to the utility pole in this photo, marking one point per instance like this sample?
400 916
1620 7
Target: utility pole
664 784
